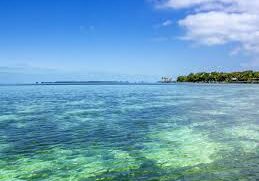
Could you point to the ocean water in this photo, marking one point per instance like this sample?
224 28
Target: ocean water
129 132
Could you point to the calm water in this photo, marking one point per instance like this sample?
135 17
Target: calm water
174 132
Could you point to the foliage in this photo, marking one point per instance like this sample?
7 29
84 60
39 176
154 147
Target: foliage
245 76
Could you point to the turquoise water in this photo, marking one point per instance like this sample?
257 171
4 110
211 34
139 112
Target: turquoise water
129 132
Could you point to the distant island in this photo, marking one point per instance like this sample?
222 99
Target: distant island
221 77
94 83
84 83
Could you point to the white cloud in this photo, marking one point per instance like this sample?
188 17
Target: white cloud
227 5
216 22
167 23
163 24
181 3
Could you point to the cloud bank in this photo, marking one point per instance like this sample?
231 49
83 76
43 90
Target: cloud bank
218 22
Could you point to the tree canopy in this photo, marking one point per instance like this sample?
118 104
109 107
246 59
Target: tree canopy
245 76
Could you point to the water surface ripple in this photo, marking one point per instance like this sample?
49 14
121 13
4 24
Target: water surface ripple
129 132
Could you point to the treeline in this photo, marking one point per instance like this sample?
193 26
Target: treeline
245 76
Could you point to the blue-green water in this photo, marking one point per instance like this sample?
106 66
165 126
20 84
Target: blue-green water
129 132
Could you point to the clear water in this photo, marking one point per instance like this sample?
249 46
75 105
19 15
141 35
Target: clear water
149 132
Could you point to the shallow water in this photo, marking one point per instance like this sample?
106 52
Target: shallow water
129 132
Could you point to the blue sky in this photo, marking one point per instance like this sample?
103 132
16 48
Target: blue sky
123 40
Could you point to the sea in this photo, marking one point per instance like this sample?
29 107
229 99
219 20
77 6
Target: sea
129 132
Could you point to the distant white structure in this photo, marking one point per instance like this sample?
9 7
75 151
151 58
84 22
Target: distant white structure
166 80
